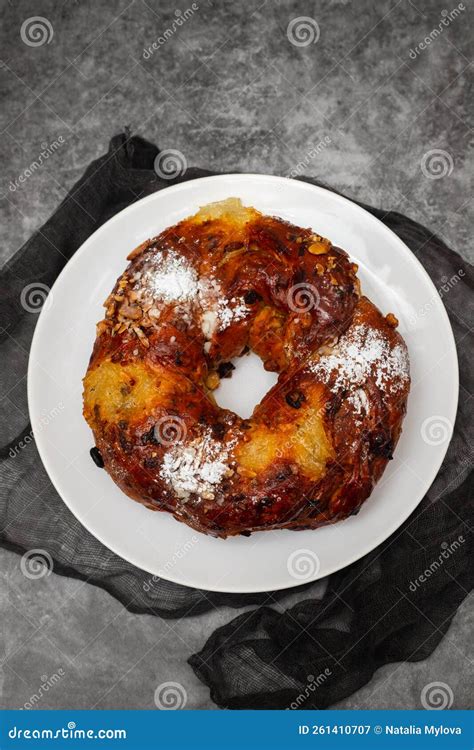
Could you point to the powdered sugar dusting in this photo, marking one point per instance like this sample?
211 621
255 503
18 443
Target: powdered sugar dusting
218 312
170 279
229 311
359 401
362 354
173 280
196 467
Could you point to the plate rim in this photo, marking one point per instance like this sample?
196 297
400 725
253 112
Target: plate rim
375 542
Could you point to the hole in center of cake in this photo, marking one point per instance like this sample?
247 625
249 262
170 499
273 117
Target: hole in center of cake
246 387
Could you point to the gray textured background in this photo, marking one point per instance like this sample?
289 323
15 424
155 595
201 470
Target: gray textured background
231 92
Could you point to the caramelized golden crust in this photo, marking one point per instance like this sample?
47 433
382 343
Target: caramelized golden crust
194 298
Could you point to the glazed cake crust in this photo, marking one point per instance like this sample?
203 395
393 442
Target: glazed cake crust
203 292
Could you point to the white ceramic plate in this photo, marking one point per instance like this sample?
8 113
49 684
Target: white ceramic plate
390 275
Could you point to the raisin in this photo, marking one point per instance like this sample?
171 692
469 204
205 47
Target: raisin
332 406
149 437
251 297
212 243
150 463
224 370
315 505
300 276
381 444
218 430
97 457
125 445
294 399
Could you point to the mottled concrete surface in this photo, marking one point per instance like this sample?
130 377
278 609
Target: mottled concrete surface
231 92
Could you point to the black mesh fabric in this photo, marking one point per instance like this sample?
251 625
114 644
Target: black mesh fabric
322 649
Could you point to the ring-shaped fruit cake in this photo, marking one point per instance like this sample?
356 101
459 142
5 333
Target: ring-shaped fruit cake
205 291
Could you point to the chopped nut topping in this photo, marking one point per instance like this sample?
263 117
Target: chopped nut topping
130 311
138 250
141 336
248 473
212 381
321 247
391 320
